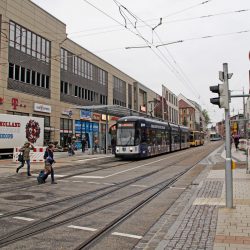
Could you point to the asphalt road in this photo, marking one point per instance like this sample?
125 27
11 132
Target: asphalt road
89 196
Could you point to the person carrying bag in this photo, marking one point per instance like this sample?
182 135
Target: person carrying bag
25 157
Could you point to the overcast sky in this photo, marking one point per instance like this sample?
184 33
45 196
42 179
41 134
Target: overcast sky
188 67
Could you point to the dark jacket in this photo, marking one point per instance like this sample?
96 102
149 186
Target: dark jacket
49 156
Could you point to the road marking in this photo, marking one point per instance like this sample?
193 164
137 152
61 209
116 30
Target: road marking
92 182
1 214
108 184
127 235
178 188
83 228
89 176
143 186
23 218
59 175
78 181
95 158
63 180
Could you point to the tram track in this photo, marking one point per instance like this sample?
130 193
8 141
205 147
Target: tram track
28 185
25 231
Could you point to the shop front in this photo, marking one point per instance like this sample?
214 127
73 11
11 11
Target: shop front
87 129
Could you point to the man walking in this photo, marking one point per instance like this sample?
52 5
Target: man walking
83 144
26 156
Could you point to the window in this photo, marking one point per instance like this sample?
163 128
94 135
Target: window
43 49
33 44
11 70
28 76
28 43
43 81
38 47
17 72
23 39
33 77
47 82
18 36
38 79
22 74
76 90
12 34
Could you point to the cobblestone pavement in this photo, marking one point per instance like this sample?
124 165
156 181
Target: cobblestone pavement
199 219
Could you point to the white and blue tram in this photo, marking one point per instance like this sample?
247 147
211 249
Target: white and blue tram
140 137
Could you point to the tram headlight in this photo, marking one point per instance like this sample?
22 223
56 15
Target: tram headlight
131 149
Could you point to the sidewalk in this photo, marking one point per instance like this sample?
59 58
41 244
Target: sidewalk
199 218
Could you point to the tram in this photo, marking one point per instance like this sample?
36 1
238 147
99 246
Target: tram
141 137
196 138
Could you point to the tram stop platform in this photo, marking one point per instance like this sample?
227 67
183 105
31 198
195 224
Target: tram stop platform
200 219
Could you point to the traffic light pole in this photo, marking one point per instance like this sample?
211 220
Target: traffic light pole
228 172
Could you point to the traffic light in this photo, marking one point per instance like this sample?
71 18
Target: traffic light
223 100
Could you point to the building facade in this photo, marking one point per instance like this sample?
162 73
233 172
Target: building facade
45 74
172 106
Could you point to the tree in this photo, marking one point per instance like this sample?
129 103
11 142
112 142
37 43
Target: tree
206 116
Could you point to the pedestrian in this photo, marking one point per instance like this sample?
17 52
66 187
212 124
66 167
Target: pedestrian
113 144
71 149
26 156
83 144
96 144
49 160
236 141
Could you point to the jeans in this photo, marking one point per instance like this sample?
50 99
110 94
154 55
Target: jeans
52 175
28 166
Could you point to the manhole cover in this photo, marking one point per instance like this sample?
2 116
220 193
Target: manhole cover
19 197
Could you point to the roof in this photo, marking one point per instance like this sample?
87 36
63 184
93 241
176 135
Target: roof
114 110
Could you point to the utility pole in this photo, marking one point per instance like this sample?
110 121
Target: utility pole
223 102
229 178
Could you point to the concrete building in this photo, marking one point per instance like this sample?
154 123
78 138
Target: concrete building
45 74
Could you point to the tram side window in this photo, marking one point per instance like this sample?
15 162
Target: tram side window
167 138
158 137
143 135
137 136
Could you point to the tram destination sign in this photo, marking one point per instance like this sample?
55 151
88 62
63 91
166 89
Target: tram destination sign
127 125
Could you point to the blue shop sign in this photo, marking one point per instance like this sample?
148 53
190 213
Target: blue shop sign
86 127
85 114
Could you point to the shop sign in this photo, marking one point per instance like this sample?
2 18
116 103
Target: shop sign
96 117
104 117
85 115
15 103
115 118
68 112
42 108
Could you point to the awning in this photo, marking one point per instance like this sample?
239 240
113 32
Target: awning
114 110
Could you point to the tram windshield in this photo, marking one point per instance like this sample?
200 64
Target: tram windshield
126 134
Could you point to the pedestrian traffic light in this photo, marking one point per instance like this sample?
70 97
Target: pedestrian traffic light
223 100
